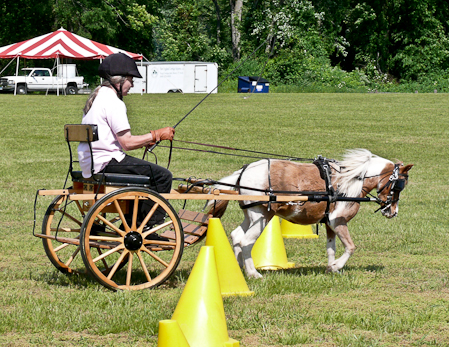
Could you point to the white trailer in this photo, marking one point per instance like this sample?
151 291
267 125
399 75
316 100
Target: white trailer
176 77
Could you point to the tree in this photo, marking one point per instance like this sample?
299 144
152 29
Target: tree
123 23
236 18
186 30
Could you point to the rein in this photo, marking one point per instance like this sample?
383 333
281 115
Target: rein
265 154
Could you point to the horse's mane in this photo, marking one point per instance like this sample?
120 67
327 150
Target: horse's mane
353 169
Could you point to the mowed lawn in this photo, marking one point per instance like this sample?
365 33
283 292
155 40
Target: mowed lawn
394 291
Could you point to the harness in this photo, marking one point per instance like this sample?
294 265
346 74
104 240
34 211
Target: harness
269 191
396 181
326 173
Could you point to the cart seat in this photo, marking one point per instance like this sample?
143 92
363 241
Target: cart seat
88 133
113 179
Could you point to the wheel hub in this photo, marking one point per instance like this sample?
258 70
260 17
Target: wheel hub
133 241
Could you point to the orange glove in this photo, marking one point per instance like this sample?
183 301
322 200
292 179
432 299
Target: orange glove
163 134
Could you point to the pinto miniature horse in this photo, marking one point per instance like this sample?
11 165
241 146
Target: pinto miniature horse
355 176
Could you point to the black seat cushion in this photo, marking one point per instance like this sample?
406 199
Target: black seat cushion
113 179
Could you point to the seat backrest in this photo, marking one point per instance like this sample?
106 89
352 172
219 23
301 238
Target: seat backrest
80 133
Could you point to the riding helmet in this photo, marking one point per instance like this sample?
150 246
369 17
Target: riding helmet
118 64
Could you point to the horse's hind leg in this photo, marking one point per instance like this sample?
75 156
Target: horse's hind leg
258 218
237 236
343 234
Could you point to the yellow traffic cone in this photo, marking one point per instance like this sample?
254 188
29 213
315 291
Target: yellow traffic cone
170 334
200 311
296 231
269 250
230 276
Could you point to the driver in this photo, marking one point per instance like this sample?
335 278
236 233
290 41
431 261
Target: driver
105 107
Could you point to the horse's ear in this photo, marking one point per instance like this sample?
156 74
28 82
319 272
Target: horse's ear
407 168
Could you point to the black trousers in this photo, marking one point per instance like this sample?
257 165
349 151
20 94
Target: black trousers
160 181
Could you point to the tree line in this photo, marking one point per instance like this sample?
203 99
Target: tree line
346 43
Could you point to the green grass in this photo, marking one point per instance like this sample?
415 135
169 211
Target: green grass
394 291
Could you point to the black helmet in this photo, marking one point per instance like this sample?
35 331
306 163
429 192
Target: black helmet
118 64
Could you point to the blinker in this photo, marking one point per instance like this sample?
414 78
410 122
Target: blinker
399 185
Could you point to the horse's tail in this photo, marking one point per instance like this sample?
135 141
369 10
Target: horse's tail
217 208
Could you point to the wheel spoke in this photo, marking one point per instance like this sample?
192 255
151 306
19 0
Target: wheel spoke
144 267
156 228
159 242
155 256
117 264
152 267
68 262
68 215
135 212
113 226
122 217
118 248
130 269
148 216
64 245
106 266
63 219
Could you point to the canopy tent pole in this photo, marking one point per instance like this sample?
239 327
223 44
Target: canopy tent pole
145 78
14 58
17 74
57 69
101 78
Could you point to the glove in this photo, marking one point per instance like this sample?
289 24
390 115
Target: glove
163 134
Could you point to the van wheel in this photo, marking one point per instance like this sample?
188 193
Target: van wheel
71 90
22 89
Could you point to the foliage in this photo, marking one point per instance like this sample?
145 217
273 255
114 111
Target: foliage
323 43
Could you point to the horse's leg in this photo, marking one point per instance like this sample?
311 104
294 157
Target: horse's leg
258 218
237 236
343 234
330 247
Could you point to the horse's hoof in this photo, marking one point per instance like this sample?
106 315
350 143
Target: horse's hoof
332 269
255 275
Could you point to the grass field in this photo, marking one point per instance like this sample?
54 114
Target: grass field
394 291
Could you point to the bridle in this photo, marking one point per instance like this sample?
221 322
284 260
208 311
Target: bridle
396 182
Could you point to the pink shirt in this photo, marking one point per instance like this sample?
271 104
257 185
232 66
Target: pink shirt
109 113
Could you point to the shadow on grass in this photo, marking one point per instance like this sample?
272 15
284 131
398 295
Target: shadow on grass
180 277
56 278
316 270
84 280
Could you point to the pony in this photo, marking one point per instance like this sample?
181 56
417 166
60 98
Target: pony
356 175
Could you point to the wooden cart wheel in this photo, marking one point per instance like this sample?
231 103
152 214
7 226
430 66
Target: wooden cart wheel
153 253
63 221
62 224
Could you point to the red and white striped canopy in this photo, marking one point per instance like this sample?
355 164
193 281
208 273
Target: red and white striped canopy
63 44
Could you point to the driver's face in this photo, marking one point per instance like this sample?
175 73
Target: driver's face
127 85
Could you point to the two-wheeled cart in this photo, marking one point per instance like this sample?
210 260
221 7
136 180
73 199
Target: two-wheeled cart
96 225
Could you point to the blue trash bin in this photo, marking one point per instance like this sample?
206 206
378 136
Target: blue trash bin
253 84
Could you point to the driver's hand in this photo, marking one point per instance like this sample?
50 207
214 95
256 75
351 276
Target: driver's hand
166 133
